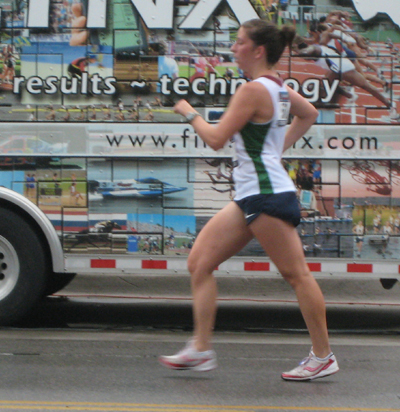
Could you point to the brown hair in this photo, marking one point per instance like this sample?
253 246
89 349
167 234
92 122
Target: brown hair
267 34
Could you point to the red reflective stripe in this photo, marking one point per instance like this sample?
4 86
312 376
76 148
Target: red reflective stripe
359 267
154 264
256 265
314 267
73 213
103 263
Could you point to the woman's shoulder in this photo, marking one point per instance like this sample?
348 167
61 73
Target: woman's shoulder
250 88
252 94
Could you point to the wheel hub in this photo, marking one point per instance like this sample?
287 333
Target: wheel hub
9 267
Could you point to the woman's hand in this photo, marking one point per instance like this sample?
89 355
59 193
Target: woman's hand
183 108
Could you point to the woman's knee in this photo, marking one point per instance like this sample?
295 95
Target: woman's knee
191 263
295 276
198 268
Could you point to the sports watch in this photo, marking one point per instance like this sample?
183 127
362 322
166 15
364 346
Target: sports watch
190 116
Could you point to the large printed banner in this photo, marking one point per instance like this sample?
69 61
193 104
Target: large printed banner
129 61
180 140
88 132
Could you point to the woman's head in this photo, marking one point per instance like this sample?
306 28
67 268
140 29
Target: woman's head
273 39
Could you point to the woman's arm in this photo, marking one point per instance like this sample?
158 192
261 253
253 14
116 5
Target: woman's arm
242 108
305 115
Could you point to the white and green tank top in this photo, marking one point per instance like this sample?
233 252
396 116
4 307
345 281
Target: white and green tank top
259 146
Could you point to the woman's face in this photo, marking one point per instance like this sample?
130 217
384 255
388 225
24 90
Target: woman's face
243 50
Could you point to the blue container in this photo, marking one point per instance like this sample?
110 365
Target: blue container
133 244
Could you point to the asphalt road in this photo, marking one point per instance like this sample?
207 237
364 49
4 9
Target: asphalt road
81 370
88 350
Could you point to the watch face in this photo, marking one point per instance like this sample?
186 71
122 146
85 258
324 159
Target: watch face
190 116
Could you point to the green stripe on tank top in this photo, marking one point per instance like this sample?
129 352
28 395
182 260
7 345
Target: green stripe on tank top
254 136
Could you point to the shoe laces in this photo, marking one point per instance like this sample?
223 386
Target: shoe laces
188 347
307 359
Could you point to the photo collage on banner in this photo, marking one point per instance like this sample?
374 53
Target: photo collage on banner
89 111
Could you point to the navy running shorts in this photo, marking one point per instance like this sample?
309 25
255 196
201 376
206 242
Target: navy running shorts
284 206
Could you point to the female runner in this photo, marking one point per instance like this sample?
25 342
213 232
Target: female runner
265 205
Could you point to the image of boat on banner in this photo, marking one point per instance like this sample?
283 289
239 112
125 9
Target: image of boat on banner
145 187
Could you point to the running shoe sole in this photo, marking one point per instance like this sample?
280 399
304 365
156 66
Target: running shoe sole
203 365
327 370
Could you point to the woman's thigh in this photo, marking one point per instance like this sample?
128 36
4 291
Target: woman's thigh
282 244
223 236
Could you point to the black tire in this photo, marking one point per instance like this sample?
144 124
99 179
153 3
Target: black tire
57 281
23 267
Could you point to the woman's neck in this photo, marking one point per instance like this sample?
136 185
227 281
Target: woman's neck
264 71
270 73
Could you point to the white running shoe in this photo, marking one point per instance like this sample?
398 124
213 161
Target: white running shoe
353 98
312 368
393 115
191 359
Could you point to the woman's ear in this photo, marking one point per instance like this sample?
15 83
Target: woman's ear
260 52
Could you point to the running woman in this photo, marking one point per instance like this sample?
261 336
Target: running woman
265 206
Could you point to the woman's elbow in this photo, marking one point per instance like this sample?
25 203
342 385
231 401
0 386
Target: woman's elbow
217 143
216 146
315 114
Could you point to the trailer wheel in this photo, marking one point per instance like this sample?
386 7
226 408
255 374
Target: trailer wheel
388 283
23 267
